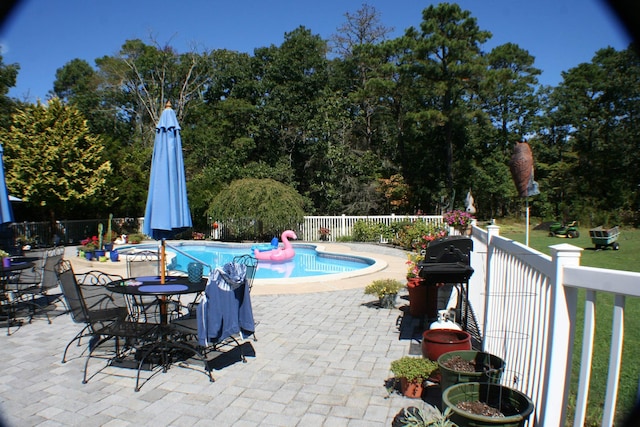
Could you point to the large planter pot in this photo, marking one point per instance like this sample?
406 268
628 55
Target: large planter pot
88 255
436 342
488 368
515 406
423 299
412 389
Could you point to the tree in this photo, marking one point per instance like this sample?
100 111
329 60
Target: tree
53 161
508 92
143 78
361 28
8 76
447 65
258 208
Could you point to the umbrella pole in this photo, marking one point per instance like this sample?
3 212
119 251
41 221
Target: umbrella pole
162 261
163 302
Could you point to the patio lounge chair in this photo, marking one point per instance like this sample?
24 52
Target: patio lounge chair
104 317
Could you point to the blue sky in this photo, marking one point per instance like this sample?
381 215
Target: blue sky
43 35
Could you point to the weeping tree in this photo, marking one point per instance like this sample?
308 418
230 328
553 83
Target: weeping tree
257 209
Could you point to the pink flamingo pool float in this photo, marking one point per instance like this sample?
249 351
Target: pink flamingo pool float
279 254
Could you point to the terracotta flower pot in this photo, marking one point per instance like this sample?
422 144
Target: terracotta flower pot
412 389
436 342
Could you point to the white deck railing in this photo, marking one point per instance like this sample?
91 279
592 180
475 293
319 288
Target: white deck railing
527 303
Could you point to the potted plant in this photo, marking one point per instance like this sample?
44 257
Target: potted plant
460 220
412 373
430 416
89 246
324 233
486 404
469 366
6 258
108 238
423 299
386 290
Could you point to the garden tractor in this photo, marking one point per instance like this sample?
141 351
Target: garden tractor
569 230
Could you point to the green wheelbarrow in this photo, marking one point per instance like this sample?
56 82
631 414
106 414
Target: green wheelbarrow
603 238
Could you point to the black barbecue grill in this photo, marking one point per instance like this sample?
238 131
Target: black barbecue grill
447 260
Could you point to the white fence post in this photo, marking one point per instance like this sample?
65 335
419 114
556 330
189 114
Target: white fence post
563 304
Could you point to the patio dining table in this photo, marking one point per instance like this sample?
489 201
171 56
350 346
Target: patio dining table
168 345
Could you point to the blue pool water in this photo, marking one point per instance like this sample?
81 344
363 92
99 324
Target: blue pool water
307 261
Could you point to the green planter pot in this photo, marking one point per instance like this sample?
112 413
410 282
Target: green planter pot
489 368
515 406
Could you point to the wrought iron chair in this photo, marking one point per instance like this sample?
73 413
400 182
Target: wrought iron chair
251 264
223 314
143 263
105 318
34 286
92 283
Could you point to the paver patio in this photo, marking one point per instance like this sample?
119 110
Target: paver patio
321 359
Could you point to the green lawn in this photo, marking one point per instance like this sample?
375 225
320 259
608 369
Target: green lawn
626 258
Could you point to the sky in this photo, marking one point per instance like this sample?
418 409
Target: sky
43 35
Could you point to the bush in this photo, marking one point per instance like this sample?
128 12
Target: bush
367 231
382 287
415 235
413 368
257 209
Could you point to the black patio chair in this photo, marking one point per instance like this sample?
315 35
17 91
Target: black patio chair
143 263
92 282
224 314
105 318
34 287
251 264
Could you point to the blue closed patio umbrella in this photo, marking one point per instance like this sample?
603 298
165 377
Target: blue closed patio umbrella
167 212
6 211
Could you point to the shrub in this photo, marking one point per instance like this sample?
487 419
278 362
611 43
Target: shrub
367 231
382 287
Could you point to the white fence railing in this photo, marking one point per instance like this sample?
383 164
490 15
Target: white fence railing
342 225
529 302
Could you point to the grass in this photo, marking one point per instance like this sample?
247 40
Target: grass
626 258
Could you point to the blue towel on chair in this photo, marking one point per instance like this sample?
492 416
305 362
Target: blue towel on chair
225 309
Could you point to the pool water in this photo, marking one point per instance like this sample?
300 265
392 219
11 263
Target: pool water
307 261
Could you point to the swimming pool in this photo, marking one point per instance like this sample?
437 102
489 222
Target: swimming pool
309 262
